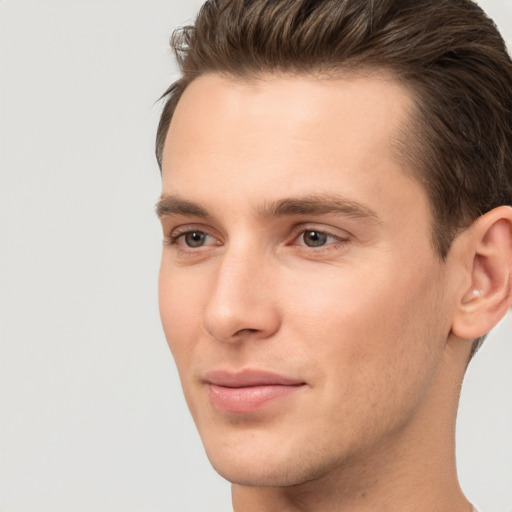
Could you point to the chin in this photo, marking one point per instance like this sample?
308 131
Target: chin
268 467
257 475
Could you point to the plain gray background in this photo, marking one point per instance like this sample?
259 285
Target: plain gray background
92 417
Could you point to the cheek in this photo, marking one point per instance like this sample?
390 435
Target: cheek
373 353
371 330
179 304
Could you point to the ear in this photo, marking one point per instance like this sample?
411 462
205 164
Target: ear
488 296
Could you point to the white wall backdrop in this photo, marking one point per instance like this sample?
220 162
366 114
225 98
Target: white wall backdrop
92 417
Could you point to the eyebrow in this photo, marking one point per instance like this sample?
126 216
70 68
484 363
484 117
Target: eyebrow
169 205
172 205
319 205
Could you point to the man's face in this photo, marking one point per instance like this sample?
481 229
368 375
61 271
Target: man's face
299 290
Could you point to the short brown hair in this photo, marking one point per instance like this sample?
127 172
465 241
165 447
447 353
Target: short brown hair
447 52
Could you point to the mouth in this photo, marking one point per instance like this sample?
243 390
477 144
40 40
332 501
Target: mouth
249 390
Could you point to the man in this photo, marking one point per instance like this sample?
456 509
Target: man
336 208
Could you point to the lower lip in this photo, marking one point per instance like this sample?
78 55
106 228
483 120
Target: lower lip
248 399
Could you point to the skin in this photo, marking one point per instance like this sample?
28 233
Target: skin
365 319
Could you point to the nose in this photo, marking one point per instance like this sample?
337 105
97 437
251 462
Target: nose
243 302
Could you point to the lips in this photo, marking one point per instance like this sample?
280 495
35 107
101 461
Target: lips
249 390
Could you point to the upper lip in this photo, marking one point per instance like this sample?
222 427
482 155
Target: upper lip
249 377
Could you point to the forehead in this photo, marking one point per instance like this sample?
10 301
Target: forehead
290 110
306 101
275 136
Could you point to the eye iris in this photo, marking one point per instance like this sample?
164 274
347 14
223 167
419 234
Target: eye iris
314 238
195 239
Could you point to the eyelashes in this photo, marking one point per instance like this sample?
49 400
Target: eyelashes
314 238
192 239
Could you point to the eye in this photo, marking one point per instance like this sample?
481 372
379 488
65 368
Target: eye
194 238
188 239
313 238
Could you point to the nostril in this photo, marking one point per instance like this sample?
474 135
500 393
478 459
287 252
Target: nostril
241 332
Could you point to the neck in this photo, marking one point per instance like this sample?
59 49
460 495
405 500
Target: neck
413 469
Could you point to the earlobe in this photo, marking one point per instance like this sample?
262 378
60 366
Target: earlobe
489 295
